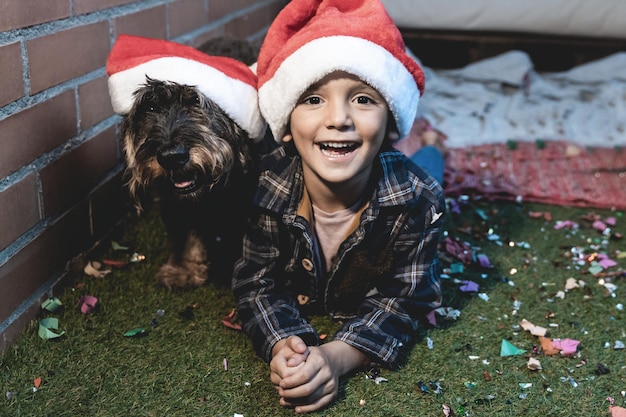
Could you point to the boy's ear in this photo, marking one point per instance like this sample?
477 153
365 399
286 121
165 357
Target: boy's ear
392 130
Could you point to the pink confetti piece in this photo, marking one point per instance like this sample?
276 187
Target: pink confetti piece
566 346
607 263
228 321
563 224
88 304
599 225
617 411
432 318
458 249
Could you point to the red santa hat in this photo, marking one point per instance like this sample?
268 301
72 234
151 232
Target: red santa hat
312 38
231 84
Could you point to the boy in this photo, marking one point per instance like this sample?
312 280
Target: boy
344 224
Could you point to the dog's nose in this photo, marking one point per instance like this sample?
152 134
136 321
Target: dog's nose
174 157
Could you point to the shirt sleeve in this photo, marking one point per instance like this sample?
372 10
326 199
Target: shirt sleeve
387 320
267 314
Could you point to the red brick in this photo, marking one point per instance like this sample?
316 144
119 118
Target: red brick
65 55
74 174
94 102
15 14
88 6
19 209
149 23
250 23
220 8
242 4
197 42
186 15
43 258
27 135
12 81
12 332
109 203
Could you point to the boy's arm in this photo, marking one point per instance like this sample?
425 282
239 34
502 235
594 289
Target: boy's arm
268 315
388 320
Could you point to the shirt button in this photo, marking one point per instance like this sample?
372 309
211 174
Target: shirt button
303 299
307 264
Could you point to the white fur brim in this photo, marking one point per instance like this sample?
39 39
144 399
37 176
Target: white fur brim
371 62
238 99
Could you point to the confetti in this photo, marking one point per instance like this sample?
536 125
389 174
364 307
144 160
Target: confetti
117 246
532 329
533 364
136 332
228 321
87 304
136 257
468 286
566 346
46 327
508 349
617 411
93 269
51 304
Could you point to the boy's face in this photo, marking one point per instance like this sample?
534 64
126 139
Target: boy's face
338 127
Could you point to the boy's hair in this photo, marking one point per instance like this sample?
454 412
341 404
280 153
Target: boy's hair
310 39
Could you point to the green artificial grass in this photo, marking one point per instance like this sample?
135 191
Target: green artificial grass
178 367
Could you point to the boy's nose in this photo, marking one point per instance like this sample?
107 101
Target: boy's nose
338 115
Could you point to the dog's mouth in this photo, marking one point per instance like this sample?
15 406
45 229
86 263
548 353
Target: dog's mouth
186 183
184 186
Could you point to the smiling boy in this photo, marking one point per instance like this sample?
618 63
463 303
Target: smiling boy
344 224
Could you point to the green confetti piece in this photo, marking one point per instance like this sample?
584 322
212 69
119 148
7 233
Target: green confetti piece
595 268
51 304
117 246
508 349
136 332
540 143
46 326
481 213
511 144
456 268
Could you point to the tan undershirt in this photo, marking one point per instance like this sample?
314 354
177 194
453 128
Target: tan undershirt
332 229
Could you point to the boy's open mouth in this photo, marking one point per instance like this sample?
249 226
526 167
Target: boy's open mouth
337 148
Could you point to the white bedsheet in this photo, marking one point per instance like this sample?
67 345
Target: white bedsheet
595 18
503 98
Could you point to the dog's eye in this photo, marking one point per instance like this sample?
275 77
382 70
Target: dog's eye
190 99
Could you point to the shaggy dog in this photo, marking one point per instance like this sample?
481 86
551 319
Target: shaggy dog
180 145
184 151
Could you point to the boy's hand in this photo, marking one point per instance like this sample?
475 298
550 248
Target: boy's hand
315 383
287 355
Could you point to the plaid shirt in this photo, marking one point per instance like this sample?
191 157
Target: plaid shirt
385 276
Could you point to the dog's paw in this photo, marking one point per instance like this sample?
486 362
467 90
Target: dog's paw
188 275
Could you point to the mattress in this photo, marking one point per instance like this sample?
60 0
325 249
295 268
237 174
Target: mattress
597 18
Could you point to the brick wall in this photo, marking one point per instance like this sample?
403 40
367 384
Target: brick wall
60 165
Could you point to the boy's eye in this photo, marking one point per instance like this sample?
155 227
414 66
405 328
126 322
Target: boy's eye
312 100
364 100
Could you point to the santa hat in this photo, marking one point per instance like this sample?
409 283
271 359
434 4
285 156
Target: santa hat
312 38
231 84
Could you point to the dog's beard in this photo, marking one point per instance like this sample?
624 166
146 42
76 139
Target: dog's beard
208 167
